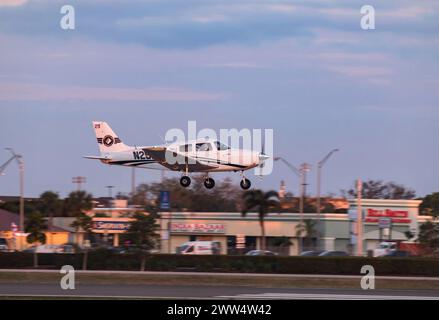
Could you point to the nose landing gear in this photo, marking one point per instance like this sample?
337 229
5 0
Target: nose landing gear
245 184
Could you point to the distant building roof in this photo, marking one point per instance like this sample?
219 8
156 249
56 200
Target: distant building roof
15 198
7 218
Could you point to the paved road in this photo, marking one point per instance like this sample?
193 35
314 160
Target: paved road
208 292
227 274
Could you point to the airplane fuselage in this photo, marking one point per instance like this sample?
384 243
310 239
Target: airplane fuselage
221 160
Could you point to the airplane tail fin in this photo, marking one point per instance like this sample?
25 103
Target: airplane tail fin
108 140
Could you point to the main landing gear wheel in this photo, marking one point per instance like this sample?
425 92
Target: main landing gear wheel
185 181
209 183
245 184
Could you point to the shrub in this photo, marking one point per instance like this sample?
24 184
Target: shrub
107 260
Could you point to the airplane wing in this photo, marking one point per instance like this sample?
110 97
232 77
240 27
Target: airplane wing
161 153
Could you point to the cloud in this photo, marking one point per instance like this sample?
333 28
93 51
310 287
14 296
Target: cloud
42 92
195 24
12 3
362 71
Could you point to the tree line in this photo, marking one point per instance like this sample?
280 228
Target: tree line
226 197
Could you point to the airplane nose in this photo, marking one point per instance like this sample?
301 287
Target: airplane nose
263 157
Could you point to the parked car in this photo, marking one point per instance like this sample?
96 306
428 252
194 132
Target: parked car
311 253
334 254
51 248
398 253
260 253
3 245
384 248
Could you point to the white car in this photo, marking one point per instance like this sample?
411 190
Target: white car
384 248
200 247
49 248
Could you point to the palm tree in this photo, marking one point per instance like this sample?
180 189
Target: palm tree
308 228
76 203
83 223
263 202
143 233
50 205
35 226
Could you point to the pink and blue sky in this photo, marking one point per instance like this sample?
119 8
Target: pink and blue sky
304 68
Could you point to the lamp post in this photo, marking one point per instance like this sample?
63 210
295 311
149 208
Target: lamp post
319 172
301 173
20 162
110 195
79 181
298 173
304 168
359 218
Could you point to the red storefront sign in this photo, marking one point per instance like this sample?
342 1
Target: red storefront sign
198 228
397 216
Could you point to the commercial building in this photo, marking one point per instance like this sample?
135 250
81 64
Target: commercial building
382 219
17 240
397 220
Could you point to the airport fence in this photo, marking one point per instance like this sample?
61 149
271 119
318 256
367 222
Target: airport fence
103 260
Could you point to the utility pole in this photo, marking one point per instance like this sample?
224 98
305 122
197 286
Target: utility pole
133 181
304 168
79 181
319 172
110 195
301 174
21 166
20 161
359 219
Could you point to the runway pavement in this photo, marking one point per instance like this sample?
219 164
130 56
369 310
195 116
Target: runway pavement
194 285
206 292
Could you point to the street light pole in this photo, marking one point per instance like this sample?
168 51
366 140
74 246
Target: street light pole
21 166
359 219
133 181
304 168
296 171
79 181
20 162
110 195
319 179
301 173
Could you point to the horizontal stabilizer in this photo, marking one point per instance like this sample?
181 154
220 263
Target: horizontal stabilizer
98 157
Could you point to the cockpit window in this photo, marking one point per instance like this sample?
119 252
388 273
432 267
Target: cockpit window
204 146
221 146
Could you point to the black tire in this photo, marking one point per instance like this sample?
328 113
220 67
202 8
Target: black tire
245 184
209 183
185 181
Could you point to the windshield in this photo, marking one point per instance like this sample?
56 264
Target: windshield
221 146
204 146
183 248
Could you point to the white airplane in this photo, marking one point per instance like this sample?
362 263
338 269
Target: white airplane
191 156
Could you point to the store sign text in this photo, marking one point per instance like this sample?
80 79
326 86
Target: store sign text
197 228
397 216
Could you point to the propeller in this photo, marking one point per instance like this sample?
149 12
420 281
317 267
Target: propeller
262 157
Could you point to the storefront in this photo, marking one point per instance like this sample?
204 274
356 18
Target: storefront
395 220
228 228
382 219
109 229
16 240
